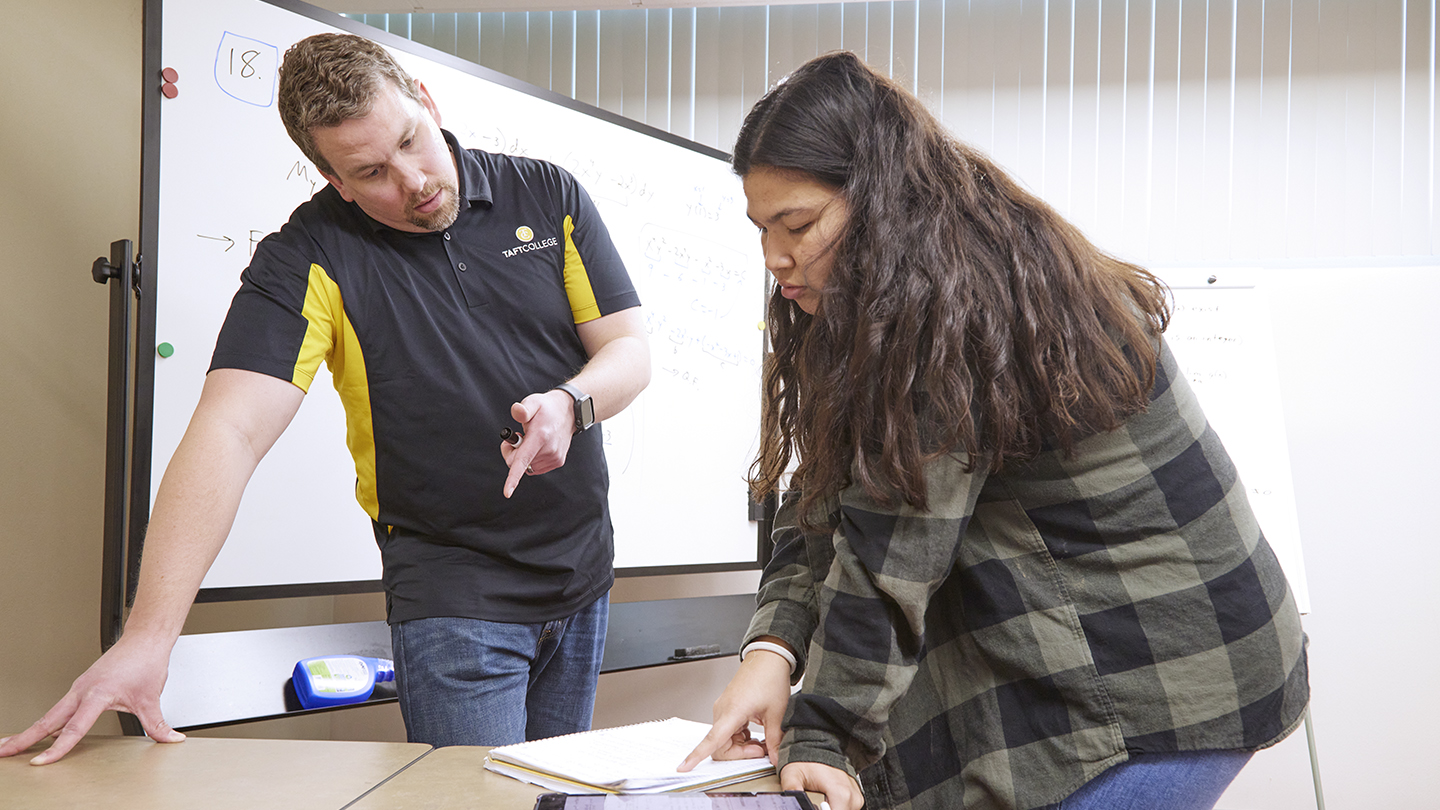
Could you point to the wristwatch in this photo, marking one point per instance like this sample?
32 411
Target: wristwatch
584 406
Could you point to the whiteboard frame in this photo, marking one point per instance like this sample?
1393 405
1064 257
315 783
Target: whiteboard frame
139 464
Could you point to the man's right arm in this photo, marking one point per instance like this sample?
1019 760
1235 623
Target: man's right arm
238 418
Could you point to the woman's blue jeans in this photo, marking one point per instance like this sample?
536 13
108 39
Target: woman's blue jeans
1182 781
473 682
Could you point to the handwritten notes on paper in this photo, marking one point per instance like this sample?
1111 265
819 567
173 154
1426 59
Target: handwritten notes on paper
639 758
1221 336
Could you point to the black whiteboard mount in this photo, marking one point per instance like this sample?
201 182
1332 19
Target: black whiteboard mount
123 277
122 274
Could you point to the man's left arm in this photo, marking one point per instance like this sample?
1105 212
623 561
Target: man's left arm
617 371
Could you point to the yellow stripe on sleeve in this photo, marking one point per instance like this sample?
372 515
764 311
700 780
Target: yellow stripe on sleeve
332 337
322 302
577 280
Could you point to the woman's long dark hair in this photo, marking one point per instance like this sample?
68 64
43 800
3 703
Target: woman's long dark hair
961 314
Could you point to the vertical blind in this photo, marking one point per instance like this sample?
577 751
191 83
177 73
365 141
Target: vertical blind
1175 132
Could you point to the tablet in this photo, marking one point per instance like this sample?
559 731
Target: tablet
788 800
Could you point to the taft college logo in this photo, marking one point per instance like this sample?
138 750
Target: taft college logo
526 237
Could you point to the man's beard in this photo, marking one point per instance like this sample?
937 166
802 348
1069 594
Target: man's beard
442 217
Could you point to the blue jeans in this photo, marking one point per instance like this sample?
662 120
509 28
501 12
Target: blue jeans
473 682
1183 781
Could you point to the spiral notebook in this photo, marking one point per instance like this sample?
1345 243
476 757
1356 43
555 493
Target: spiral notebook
640 758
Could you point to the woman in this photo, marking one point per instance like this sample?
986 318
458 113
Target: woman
1015 567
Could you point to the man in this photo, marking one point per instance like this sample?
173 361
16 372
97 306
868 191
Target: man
451 293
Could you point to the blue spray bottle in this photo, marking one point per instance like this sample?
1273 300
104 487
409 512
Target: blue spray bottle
336 680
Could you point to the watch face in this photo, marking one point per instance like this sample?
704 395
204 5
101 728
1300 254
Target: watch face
584 413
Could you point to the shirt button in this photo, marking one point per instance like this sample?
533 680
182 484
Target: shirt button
447 236
462 267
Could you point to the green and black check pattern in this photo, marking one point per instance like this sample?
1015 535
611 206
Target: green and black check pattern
1039 625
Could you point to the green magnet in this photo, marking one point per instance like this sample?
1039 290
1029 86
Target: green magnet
164 350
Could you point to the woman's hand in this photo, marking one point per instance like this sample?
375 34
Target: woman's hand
841 790
758 693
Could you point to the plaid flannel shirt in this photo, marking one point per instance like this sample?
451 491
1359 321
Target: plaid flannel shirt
1039 625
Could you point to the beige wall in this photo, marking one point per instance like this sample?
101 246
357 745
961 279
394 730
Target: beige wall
70 133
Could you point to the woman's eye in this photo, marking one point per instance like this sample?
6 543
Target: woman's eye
796 231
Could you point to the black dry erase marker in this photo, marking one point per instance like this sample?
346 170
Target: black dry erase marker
511 436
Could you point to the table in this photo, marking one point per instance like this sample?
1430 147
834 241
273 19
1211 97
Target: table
120 773
455 777
132 773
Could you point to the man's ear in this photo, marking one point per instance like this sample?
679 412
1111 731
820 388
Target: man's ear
427 101
335 181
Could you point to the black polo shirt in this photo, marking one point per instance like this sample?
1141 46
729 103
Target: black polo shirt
430 338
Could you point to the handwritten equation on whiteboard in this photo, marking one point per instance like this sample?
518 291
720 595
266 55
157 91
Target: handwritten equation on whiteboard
1222 341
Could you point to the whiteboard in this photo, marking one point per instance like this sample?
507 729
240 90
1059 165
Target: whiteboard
229 175
1223 339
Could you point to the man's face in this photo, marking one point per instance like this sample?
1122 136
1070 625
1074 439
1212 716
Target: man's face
394 163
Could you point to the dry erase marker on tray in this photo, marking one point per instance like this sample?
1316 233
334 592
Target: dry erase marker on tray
335 680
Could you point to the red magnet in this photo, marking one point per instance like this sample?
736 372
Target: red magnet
170 75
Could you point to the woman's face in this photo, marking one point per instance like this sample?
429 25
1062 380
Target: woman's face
800 220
